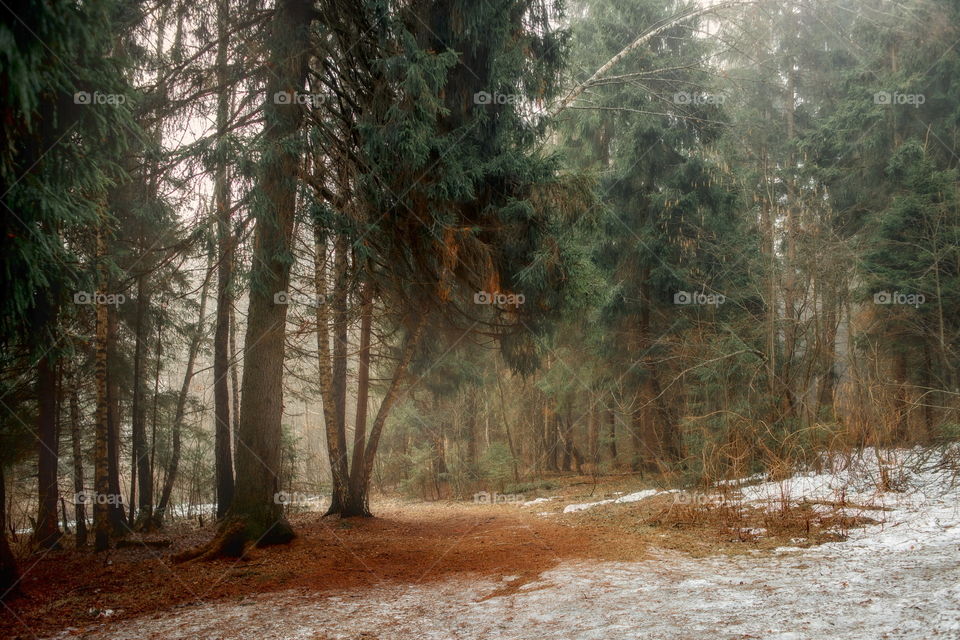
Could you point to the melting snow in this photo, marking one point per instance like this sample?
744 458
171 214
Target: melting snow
898 579
632 497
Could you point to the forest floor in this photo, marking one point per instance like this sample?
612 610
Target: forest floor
851 554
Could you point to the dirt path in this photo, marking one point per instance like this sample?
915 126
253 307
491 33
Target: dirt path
648 569
406 545
831 592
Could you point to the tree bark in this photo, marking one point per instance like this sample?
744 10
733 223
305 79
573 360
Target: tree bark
593 435
234 382
359 501
101 510
255 514
9 575
339 306
336 438
80 508
118 518
195 340
363 389
47 532
612 434
223 458
141 453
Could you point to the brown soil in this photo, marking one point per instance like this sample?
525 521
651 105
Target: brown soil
408 543
404 544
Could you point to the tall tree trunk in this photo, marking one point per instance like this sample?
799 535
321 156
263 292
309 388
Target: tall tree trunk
80 507
195 341
828 354
644 452
901 379
470 433
660 431
255 514
118 518
101 510
333 428
339 305
565 433
156 408
550 439
790 328
47 532
612 434
234 380
593 434
359 501
141 452
363 389
223 458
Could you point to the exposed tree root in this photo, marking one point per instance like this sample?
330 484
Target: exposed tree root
235 538
231 541
148 524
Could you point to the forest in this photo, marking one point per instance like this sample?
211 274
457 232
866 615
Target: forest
475 319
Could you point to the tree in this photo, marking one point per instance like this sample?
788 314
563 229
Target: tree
255 515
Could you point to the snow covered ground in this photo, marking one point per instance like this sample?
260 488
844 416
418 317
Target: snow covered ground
897 579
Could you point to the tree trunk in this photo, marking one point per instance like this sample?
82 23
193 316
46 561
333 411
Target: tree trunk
549 438
593 435
339 305
359 500
80 508
9 576
118 518
101 510
363 390
141 453
926 374
564 433
612 422
660 428
335 436
156 408
47 533
643 445
255 514
223 458
828 348
234 381
195 341
901 380
470 433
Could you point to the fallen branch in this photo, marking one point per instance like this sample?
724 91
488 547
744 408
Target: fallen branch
643 38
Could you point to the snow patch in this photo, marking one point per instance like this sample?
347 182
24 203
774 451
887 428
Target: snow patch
632 497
